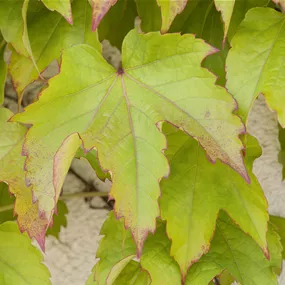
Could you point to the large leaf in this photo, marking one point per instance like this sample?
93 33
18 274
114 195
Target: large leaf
61 6
100 9
235 251
3 70
195 192
11 140
118 22
255 62
117 113
169 10
281 155
226 8
5 200
20 262
47 45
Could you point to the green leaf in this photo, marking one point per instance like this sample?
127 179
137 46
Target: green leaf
281 155
255 62
226 278
279 224
117 111
169 10
92 158
61 6
235 251
47 45
20 263
5 200
59 219
11 140
116 245
3 70
226 8
100 9
119 20
197 190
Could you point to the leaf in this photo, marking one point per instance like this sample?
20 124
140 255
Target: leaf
100 9
197 190
117 113
155 258
119 20
92 158
59 219
226 278
281 155
169 10
226 8
3 70
5 200
20 263
279 227
116 245
255 62
11 140
61 6
235 251
57 35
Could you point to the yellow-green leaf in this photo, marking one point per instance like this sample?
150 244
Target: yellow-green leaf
61 6
20 262
117 111
255 62
197 190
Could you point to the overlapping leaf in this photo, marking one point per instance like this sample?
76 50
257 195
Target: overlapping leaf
197 190
61 6
100 9
255 62
279 227
117 113
235 251
20 262
12 172
47 45
6 200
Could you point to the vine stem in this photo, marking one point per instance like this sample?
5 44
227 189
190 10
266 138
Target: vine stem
65 197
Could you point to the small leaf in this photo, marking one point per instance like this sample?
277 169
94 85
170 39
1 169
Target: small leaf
169 10
197 190
279 227
61 6
11 140
57 35
20 263
117 111
3 70
100 9
226 8
59 219
235 251
281 155
5 200
255 62
119 20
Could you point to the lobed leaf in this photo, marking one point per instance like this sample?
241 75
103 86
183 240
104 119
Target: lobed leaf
100 9
20 263
255 62
61 6
197 190
235 251
11 140
117 113
48 45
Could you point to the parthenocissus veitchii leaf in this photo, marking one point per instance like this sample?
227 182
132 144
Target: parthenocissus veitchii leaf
20 262
118 112
61 6
197 190
255 61
47 46
12 173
